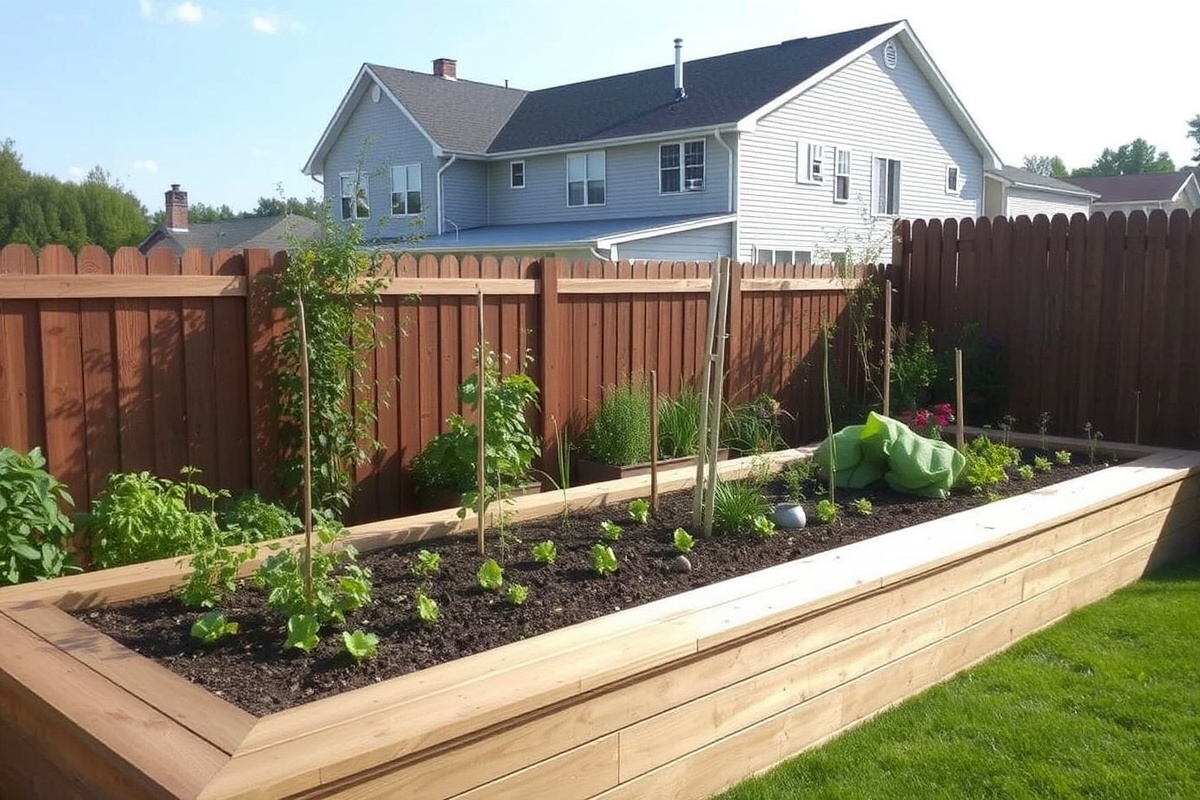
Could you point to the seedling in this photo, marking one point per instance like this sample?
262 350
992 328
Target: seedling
1062 458
1025 472
545 552
427 608
302 632
1041 464
862 506
1093 437
213 627
827 511
639 511
360 645
516 594
762 526
610 531
1006 426
604 560
1043 426
682 541
427 565
490 575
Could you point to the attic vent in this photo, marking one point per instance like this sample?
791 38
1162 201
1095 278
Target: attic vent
375 93
889 55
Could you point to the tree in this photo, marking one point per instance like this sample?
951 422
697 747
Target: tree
1194 133
310 207
1129 159
1050 166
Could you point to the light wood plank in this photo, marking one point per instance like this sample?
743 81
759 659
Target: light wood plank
48 287
580 773
459 287
633 286
800 284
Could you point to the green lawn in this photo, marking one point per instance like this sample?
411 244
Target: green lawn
1105 704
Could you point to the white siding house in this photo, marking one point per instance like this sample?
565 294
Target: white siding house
1013 192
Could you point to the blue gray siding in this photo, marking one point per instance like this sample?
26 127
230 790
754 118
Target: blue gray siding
705 244
872 111
464 184
378 136
1031 202
631 176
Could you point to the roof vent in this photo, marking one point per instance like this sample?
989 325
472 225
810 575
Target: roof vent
889 55
679 92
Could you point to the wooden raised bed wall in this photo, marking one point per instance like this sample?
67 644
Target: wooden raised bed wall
677 698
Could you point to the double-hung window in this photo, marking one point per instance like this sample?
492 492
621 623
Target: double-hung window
406 190
810 163
516 174
355 196
681 167
887 187
951 179
585 179
841 176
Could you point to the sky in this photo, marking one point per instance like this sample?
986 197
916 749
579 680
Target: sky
229 98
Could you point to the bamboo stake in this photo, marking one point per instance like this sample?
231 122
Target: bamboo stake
714 434
826 333
706 379
958 392
480 466
654 440
887 348
1137 416
305 390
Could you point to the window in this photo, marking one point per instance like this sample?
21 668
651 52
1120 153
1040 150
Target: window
951 180
406 190
585 179
681 167
782 256
516 175
841 176
810 163
887 187
355 196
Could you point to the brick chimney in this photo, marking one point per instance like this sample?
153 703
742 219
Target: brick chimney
446 68
177 209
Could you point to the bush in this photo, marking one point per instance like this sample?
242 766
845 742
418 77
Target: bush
249 519
753 427
620 433
987 461
33 528
914 368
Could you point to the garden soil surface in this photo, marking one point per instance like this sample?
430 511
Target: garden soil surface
251 670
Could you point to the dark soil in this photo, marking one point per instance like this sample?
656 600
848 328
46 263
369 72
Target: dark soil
252 671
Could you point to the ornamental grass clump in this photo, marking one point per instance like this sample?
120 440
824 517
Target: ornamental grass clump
679 424
620 432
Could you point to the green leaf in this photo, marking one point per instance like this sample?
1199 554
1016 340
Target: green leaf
604 560
490 575
682 541
213 627
360 645
610 530
302 632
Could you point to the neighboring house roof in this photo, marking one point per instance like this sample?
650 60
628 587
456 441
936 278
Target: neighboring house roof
731 91
1150 187
272 233
599 233
1023 178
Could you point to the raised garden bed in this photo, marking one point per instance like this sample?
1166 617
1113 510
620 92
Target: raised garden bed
596 471
678 697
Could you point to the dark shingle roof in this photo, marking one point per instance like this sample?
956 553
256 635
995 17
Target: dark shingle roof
720 90
1023 177
1147 187
272 233
462 116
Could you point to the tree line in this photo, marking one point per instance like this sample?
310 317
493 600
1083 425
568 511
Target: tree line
1134 158
38 210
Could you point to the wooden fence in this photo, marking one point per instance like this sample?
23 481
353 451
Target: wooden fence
1099 318
153 363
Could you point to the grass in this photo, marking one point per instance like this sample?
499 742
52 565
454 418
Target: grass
1102 705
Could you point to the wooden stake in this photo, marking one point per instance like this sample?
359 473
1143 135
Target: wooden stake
887 348
958 392
305 390
1137 416
706 380
714 434
654 440
480 466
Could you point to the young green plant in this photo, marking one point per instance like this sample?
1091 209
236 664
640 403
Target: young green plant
639 511
610 531
545 552
682 541
604 560
490 575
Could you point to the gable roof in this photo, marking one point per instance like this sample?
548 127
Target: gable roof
1023 178
594 233
725 91
1150 187
272 233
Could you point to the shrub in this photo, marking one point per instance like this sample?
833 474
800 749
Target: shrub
33 528
753 427
914 367
249 518
986 464
796 476
620 432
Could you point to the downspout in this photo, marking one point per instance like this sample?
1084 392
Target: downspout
733 244
440 203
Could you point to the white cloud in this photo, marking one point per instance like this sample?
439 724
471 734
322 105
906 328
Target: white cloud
145 165
146 7
77 172
265 23
188 12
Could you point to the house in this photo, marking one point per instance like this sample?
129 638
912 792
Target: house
783 153
1014 192
272 233
1146 192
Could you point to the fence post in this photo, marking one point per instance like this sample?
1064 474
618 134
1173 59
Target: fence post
260 338
551 390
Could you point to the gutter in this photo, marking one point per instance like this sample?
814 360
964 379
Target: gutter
729 180
440 203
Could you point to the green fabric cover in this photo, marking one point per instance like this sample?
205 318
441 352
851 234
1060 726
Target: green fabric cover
887 448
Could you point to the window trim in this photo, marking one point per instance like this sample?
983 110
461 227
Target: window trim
567 175
511 166
777 248
849 174
407 190
876 186
809 154
361 180
683 167
957 187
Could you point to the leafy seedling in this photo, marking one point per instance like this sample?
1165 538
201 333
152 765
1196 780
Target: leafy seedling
827 511
610 530
516 594
862 506
682 541
545 552
427 608
360 645
427 565
604 560
490 575
1062 458
302 632
639 511
762 526
1042 464
1025 472
213 627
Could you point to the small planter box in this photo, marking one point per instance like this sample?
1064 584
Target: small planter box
597 471
677 698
